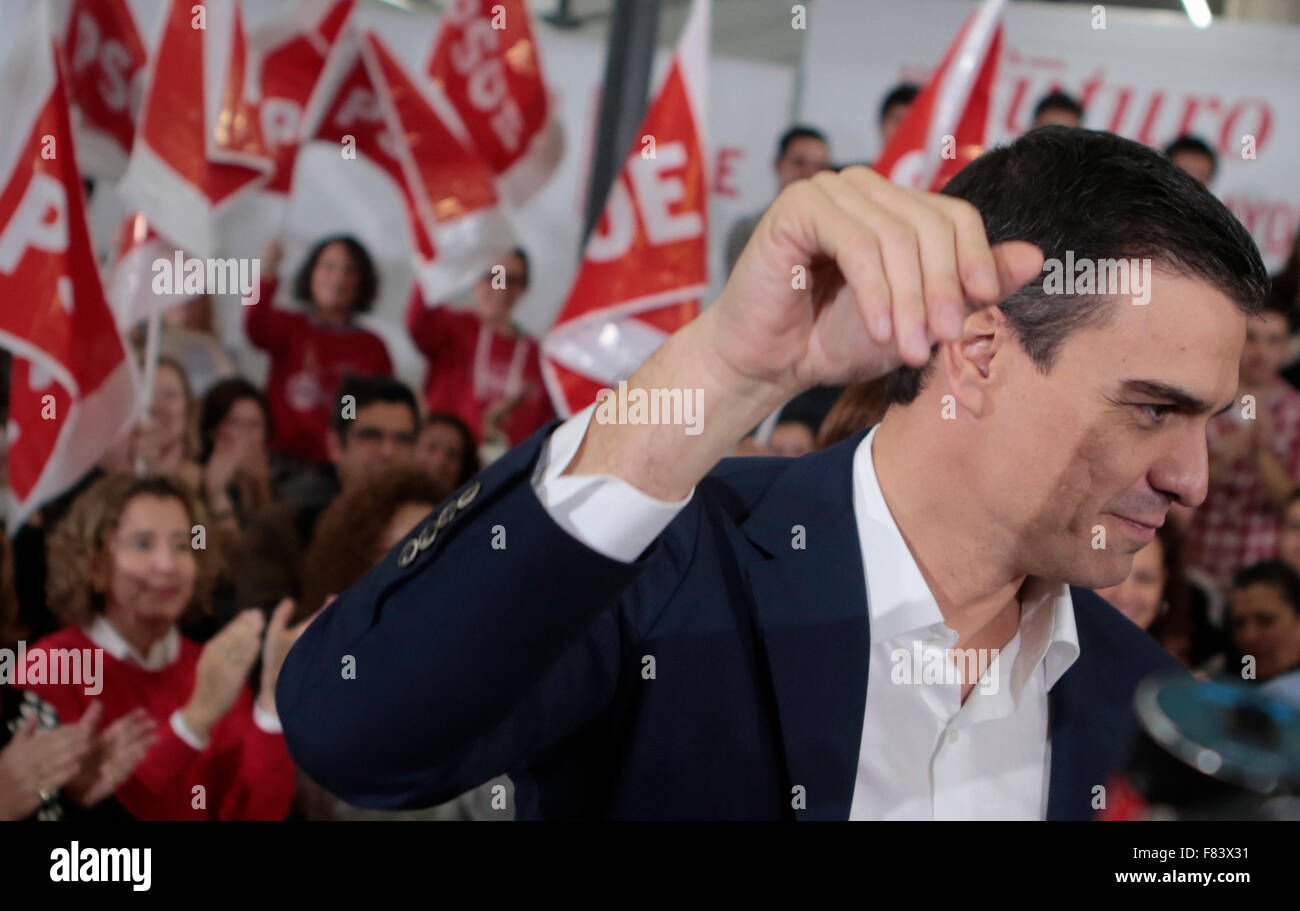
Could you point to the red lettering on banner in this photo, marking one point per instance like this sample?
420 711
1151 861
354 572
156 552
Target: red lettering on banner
1230 136
723 170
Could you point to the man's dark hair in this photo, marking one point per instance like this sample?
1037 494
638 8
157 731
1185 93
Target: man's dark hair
1058 101
1275 573
798 131
367 278
903 93
1195 144
366 391
1102 197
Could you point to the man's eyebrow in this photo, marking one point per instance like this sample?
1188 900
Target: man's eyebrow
1180 398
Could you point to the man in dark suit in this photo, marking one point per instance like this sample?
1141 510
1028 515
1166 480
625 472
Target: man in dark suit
898 627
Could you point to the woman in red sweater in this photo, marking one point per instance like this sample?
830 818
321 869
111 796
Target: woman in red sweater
481 367
310 351
129 567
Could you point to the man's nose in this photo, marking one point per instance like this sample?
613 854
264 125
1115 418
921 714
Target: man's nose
1183 472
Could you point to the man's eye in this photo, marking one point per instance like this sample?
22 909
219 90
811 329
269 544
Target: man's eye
1156 412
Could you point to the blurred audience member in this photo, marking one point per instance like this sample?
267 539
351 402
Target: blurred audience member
894 107
1194 155
791 439
311 351
127 574
1254 459
482 367
1288 533
861 405
1159 597
166 442
189 338
1265 622
446 449
801 152
234 425
353 534
375 428
1058 108
361 526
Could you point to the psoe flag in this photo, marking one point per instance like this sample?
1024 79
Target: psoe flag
105 61
200 139
450 185
73 388
945 128
485 61
645 266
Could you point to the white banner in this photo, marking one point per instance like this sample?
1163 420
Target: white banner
1146 75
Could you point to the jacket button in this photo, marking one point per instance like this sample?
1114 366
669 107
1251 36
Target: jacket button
445 517
427 534
468 496
409 552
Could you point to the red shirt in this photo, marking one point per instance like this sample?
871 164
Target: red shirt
246 772
472 367
308 361
1238 523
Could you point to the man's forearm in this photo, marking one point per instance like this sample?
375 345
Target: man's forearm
662 460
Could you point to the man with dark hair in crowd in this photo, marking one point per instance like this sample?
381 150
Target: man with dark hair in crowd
784 603
801 152
1254 458
1194 155
894 107
375 425
1058 108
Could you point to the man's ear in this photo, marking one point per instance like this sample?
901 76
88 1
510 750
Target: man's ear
334 444
968 362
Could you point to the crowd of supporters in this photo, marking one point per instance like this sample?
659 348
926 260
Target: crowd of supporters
200 546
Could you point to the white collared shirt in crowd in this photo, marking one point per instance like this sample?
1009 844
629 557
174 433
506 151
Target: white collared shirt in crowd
162 654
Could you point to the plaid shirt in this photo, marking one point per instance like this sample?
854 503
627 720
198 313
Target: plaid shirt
1238 522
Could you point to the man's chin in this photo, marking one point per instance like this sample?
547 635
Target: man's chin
1111 569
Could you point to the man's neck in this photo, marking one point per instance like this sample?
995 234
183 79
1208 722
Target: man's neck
977 590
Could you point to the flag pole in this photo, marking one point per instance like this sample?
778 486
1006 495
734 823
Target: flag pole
152 347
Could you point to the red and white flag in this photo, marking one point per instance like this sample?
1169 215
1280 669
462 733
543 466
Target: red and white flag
133 294
945 128
200 138
485 61
105 61
367 104
73 383
449 184
646 263
344 110
287 55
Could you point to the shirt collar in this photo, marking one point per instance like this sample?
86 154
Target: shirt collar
105 635
899 601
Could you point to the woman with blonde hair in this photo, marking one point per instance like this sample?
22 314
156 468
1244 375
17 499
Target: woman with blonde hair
132 561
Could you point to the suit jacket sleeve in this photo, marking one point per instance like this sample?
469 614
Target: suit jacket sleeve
502 637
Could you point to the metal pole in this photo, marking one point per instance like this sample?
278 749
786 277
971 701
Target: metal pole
628 58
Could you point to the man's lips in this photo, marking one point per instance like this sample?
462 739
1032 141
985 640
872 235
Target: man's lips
1150 522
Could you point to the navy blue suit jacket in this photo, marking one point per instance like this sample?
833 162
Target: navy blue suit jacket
534 660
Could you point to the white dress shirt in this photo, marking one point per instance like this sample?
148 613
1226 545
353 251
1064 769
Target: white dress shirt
924 754
161 655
